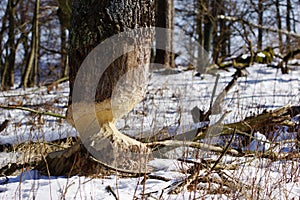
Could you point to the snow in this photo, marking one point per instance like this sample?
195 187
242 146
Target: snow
260 54
259 144
168 104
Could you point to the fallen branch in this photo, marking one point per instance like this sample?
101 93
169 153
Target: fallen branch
225 151
260 122
159 145
11 168
54 83
10 107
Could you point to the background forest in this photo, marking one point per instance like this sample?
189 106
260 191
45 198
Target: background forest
34 34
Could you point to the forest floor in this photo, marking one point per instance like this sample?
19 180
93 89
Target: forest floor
168 104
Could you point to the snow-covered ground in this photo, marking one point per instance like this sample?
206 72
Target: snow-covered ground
168 103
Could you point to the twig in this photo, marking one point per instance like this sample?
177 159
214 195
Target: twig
10 107
110 190
214 91
235 19
57 81
185 183
224 152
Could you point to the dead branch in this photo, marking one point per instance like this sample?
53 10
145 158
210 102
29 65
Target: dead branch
236 19
225 150
11 107
159 145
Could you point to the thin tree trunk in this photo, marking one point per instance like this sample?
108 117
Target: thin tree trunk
200 21
3 28
260 22
64 56
288 24
279 25
208 29
8 71
219 40
164 18
31 68
64 14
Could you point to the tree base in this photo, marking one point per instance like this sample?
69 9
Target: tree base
103 153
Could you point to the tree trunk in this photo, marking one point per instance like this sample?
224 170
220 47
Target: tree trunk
279 25
218 39
200 31
29 76
63 50
208 28
260 22
64 14
164 18
9 65
120 87
288 24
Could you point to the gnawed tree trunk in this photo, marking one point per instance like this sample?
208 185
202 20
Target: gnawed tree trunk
92 23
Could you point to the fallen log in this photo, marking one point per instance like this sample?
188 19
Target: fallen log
263 123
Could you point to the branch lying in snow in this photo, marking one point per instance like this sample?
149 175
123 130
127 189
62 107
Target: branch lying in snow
236 19
280 116
175 143
9 107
